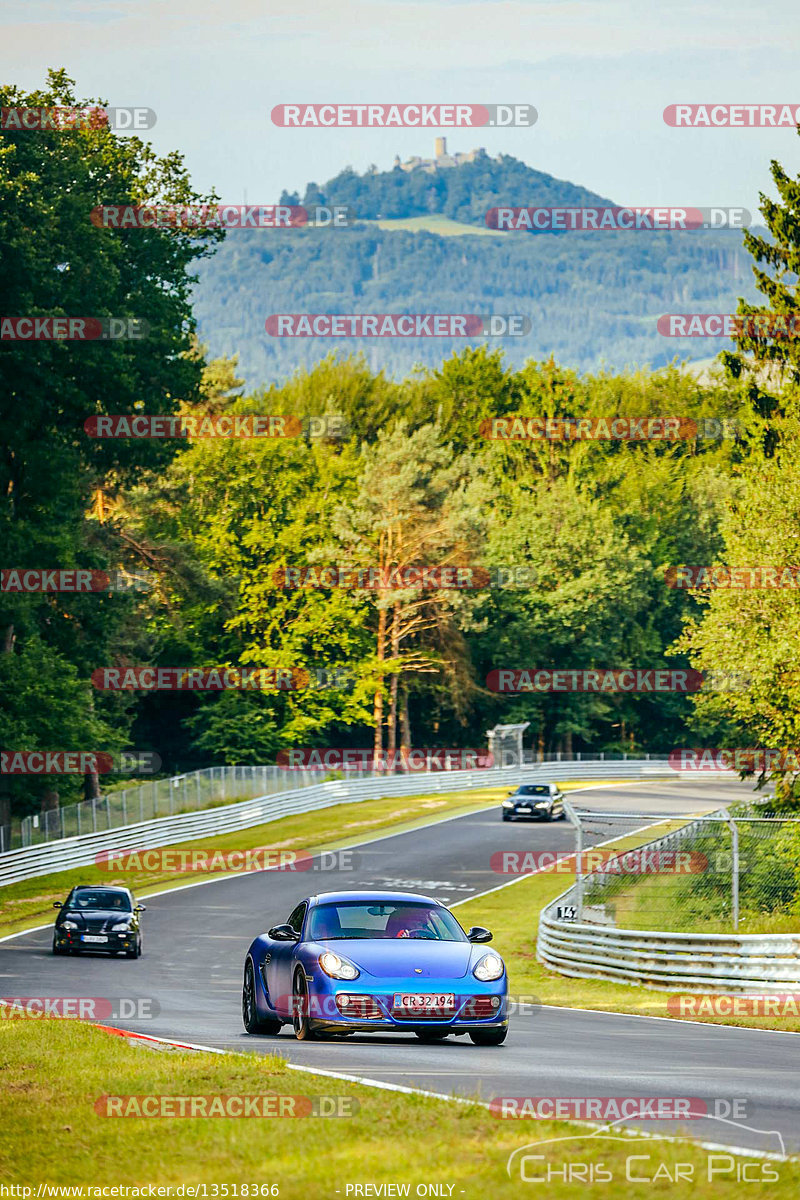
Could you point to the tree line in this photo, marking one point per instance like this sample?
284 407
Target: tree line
384 473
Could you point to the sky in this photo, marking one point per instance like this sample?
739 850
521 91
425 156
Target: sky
599 73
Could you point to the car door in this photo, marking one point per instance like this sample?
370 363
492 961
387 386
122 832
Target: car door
280 965
558 803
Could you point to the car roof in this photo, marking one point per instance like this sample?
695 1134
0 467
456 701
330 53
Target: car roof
374 897
102 887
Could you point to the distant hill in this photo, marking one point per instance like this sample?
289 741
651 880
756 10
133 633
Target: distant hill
422 247
463 193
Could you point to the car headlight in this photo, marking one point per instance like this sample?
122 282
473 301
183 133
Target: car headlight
490 967
122 927
543 803
336 967
508 804
69 925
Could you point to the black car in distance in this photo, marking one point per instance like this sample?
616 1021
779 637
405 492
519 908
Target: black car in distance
537 801
98 918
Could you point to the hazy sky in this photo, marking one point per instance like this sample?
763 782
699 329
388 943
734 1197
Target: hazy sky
600 73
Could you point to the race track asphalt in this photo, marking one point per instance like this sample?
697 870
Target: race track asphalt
196 938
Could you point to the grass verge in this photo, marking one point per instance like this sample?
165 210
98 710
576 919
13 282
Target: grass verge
30 903
666 902
54 1071
512 914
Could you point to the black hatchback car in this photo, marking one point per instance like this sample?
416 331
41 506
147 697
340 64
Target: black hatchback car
539 801
98 918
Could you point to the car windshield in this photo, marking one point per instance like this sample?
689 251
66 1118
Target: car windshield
96 898
533 789
396 919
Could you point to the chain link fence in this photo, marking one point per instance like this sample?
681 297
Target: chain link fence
160 798
209 787
733 870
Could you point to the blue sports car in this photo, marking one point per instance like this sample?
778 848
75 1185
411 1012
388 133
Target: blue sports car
357 962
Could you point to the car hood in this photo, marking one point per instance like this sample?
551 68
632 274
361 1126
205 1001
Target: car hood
414 958
96 914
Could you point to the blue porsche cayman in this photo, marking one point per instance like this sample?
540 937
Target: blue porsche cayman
355 962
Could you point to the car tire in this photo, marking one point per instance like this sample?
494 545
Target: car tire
136 952
58 949
431 1035
301 1022
250 1018
506 816
488 1037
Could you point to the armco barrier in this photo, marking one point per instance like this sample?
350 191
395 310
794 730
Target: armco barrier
678 962
68 853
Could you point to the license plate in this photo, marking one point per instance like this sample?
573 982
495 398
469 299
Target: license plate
93 937
424 1001
521 809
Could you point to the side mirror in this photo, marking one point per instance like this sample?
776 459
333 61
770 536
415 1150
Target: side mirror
140 908
478 934
283 933
57 904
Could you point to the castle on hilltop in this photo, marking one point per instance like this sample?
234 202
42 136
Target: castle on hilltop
441 158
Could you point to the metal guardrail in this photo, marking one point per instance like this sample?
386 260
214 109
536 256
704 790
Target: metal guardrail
206 788
68 853
685 962
195 791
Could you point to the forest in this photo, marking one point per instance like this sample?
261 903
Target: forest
577 539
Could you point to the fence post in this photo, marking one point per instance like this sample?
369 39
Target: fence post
734 870
579 868
575 820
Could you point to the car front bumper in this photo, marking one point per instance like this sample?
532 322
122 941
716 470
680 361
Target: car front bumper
533 814
70 939
477 1005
